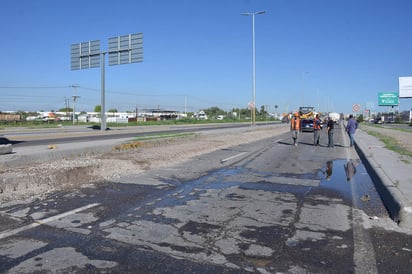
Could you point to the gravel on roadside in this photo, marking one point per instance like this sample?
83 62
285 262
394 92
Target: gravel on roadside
32 180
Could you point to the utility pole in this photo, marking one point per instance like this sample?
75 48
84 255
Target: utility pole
66 105
74 101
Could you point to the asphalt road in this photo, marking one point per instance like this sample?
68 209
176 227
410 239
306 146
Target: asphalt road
60 135
262 207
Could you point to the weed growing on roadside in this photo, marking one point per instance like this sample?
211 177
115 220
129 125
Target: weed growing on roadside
390 143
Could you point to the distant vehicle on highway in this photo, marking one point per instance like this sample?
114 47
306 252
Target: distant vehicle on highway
307 125
334 116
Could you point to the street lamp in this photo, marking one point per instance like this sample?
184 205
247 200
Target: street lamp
253 61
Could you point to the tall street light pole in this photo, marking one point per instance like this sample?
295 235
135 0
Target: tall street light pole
253 62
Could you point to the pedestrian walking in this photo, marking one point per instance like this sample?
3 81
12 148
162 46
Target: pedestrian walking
330 129
316 130
295 128
351 128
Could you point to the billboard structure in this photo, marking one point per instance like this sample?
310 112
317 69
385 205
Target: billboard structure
85 55
388 99
124 49
405 87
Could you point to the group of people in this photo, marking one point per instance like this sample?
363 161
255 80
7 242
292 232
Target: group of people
295 127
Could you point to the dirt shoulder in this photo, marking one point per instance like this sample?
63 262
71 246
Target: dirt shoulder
32 180
404 138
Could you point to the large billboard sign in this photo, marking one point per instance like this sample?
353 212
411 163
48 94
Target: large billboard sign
388 99
85 55
126 49
405 87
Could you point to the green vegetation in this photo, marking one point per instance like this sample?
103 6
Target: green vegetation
164 135
32 124
394 128
390 143
214 114
56 124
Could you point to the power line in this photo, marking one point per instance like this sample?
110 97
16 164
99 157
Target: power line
33 87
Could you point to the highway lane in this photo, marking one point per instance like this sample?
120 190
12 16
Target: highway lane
29 137
261 207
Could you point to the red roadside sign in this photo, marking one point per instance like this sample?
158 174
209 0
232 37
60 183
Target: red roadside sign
356 108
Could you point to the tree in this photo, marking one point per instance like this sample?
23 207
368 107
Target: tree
98 108
244 112
66 110
262 113
262 110
113 111
214 112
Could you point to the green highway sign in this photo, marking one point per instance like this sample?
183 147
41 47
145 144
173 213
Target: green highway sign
388 98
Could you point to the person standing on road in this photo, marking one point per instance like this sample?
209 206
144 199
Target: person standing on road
329 129
351 128
316 130
295 128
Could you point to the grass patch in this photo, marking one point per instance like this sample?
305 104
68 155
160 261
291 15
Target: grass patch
392 128
136 142
163 135
390 143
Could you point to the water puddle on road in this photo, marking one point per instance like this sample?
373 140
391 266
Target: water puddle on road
351 179
344 179
341 179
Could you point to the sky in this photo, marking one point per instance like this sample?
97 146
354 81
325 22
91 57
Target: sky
330 54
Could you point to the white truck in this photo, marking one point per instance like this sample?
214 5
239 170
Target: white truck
335 117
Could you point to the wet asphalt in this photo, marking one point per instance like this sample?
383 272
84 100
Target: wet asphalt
261 207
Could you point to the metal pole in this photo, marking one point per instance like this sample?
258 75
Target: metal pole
74 109
254 69
253 64
102 83
74 103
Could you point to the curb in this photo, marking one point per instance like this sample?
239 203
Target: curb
397 205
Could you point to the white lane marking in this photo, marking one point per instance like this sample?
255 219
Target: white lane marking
232 157
44 221
242 153
363 254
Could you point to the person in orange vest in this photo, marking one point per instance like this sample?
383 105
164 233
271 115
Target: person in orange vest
295 128
316 130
